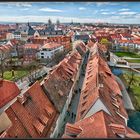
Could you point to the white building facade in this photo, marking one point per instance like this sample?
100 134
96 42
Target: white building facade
49 52
9 36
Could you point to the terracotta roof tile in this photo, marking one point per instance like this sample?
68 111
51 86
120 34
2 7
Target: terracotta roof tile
99 125
51 45
59 82
35 115
31 46
97 85
8 91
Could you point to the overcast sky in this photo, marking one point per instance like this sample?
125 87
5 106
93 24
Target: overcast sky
112 12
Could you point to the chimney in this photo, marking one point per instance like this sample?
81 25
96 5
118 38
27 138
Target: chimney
22 99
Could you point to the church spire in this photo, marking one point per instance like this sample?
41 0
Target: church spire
58 22
49 22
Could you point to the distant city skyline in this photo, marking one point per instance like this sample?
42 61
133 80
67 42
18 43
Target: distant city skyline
83 12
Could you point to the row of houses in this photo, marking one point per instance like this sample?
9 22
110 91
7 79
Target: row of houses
101 112
33 51
63 40
128 43
39 110
4 51
25 31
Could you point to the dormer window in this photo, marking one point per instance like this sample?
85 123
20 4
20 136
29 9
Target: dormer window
113 97
84 103
84 97
82 112
87 83
115 105
73 131
39 127
44 120
49 112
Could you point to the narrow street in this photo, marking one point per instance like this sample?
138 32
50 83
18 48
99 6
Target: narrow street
71 113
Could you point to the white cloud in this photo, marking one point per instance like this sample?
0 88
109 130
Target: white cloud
104 10
24 9
124 9
20 4
50 10
115 17
107 13
104 13
82 8
127 13
44 19
30 18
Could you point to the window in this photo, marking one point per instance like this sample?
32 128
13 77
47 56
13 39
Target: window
42 56
44 49
42 53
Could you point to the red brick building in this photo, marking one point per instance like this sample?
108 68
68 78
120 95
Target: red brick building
30 52
63 40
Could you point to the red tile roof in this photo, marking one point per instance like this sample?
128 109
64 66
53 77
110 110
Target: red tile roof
81 48
33 116
100 84
125 41
99 125
14 42
31 46
97 86
5 48
8 91
59 82
103 48
63 40
126 35
136 42
116 36
51 45
90 43
70 33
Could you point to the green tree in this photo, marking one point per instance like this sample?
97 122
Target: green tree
107 43
125 48
131 79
